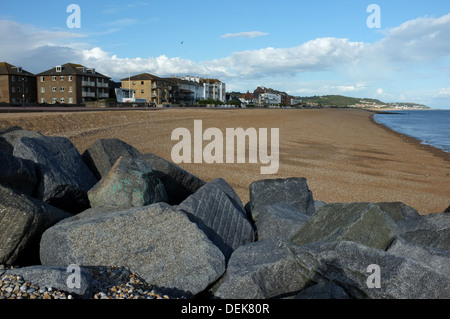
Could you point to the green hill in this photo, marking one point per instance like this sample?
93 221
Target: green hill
345 101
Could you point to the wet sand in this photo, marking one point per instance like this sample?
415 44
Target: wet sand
343 153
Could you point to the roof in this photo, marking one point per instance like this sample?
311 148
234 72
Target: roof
9 69
142 77
73 69
247 96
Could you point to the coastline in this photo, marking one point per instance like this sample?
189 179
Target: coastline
343 155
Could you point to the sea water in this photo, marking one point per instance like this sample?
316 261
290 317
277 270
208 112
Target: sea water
431 127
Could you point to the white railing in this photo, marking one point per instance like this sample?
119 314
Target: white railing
88 94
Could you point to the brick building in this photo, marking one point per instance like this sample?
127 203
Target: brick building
17 86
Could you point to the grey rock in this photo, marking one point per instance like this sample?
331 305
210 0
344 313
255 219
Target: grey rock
101 156
364 223
22 221
218 211
318 204
398 211
17 173
130 183
323 290
63 177
292 191
179 184
60 278
347 264
430 230
157 242
261 270
433 257
280 221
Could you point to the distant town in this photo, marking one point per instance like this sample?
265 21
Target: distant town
73 84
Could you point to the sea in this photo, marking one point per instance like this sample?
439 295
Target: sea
431 127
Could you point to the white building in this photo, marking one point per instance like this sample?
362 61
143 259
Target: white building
267 99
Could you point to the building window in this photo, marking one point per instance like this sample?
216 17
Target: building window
142 82
70 89
42 100
62 89
70 100
13 89
42 89
54 100
42 79
142 91
61 78
53 78
59 68
63 100
70 78
13 78
53 89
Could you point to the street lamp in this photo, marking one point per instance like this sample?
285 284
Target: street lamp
23 91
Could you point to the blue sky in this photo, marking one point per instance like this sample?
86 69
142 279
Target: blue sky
302 47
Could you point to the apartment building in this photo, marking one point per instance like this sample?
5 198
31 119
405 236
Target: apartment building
214 89
71 84
149 87
17 86
186 90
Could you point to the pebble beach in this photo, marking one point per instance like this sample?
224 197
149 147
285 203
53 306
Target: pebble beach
343 153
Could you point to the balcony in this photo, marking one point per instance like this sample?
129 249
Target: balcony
88 94
86 83
102 85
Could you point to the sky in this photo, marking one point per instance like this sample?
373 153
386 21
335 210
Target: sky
396 51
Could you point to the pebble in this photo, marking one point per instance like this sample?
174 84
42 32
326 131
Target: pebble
109 283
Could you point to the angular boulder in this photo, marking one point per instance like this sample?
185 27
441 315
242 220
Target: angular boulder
156 242
280 221
22 221
261 270
292 191
430 230
17 173
367 272
101 156
364 223
179 184
63 177
433 257
398 211
218 211
130 183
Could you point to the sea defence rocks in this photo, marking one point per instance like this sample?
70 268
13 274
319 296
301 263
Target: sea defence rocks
22 221
218 211
199 240
63 177
156 241
130 183
364 223
292 191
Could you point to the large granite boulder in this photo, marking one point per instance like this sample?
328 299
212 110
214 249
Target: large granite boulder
292 191
262 270
430 230
17 173
322 290
157 242
131 182
367 272
280 221
179 184
364 223
63 177
398 211
22 221
218 211
101 156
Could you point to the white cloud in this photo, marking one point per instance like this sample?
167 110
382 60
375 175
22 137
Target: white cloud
251 34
